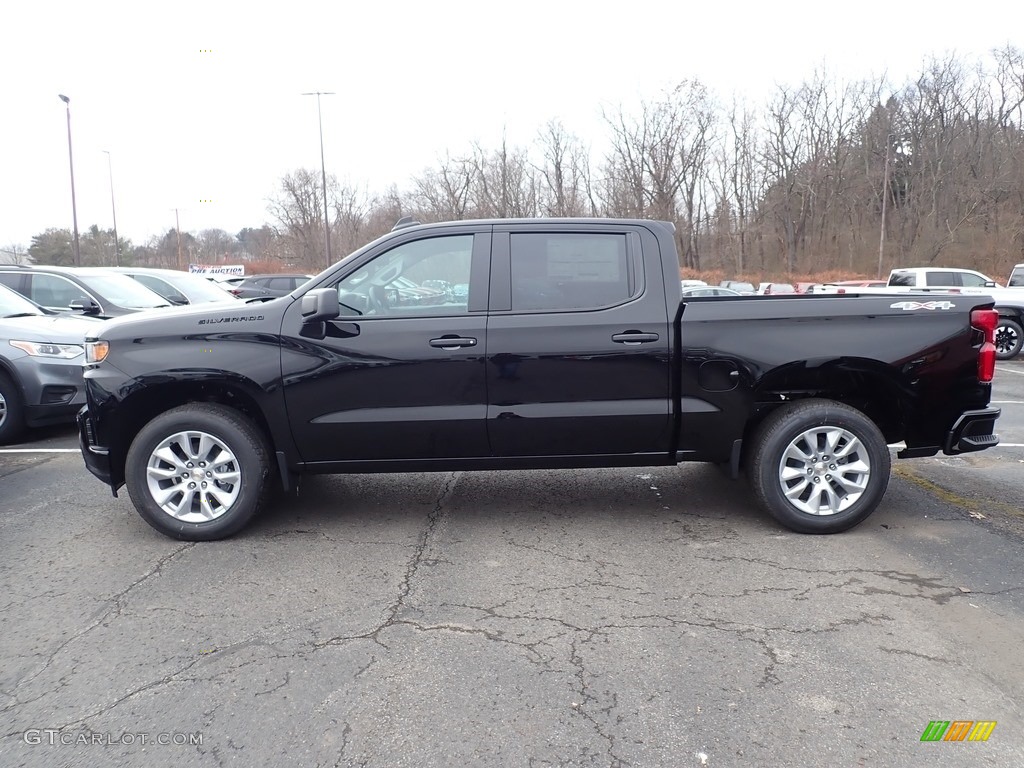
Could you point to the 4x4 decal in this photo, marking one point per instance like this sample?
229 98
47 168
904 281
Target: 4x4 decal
910 306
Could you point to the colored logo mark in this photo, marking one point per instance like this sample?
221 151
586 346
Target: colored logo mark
958 730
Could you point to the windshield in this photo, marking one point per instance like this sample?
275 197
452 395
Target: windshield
15 305
198 289
123 290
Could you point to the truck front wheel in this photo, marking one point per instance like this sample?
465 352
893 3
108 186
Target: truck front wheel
198 472
819 466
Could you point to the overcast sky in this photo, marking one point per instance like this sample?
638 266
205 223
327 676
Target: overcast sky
199 103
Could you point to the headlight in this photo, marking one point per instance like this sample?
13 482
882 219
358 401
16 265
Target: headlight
96 351
45 349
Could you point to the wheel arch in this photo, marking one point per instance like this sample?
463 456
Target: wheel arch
141 407
876 389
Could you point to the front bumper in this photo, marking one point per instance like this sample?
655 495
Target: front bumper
96 457
973 431
53 389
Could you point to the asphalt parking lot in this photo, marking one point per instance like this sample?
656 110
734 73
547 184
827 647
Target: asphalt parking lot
647 617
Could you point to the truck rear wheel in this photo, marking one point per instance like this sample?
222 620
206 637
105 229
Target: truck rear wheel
198 472
819 466
1009 338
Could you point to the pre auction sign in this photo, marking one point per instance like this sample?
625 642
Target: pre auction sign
217 269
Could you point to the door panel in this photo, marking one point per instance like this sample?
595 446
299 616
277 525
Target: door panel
579 363
401 374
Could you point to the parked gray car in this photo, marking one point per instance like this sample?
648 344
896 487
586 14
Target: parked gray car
89 291
176 286
41 358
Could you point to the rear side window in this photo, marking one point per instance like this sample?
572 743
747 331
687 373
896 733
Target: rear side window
1016 277
570 271
902 279
282 283
12 281
941 279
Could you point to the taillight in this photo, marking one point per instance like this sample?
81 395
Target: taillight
986 320
841 290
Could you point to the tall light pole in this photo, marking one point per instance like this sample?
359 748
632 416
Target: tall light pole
71 162
113 211
177 230
323 171
885 199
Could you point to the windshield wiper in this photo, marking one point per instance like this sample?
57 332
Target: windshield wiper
24 314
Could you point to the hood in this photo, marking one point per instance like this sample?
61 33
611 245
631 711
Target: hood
59 329
211 317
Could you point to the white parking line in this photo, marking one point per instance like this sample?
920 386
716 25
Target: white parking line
1007 370
39 450
1006 402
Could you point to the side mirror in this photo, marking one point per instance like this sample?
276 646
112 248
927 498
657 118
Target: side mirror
85 306
319 305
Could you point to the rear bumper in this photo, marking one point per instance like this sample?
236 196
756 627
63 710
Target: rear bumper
973 431
96 457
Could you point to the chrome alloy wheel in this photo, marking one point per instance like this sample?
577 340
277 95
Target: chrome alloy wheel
193 477
824 471
3 409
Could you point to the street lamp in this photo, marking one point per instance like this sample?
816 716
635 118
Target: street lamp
113 211
71 162
323 170
885 199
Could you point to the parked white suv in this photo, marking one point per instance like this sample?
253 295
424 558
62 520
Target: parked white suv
1016 277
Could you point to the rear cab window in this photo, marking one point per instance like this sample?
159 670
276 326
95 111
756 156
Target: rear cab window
571 271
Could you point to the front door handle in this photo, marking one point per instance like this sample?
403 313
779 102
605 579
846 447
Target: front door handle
634 337
453 342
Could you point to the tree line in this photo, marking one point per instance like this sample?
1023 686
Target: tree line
823 176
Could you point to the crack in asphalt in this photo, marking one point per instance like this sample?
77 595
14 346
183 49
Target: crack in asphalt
115 604
916 655
434 521
582 708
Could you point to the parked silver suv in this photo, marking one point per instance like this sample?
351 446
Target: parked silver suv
40 365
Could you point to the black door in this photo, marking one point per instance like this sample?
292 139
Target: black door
400 374
577 342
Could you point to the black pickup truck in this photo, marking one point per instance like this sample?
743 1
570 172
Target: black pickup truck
510 344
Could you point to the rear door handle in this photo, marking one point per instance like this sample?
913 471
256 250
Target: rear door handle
453 342
634 337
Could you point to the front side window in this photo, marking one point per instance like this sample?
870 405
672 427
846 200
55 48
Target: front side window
53 291
1017 277
413 279
973 279
570 271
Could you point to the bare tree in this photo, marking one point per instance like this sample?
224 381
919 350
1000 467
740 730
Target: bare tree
504 183
443 193
565 187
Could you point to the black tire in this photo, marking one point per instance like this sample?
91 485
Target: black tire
1009 338
12 410
207 512
783 431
